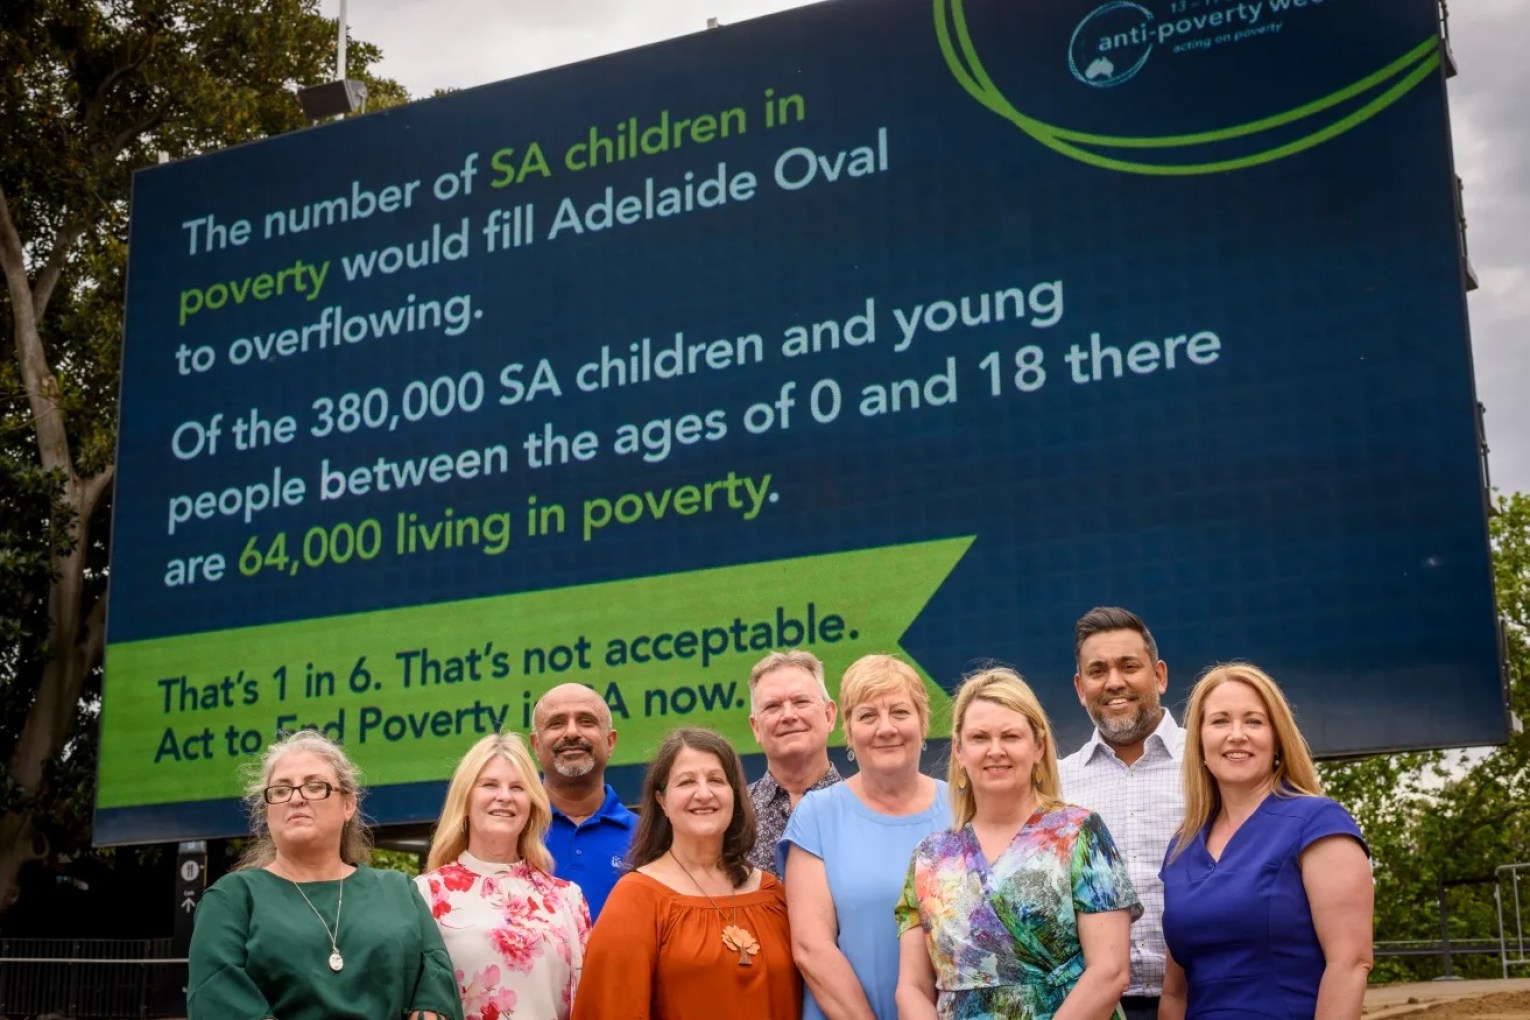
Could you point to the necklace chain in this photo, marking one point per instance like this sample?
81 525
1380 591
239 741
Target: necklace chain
740 940
699 888
333 933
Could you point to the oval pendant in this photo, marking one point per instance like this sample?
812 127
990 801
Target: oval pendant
336 961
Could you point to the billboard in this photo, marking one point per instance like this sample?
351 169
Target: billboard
881 325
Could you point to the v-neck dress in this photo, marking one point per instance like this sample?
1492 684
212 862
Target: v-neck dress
1003 937
1241 927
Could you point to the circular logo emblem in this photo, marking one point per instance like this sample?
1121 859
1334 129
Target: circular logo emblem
1111 44
190 870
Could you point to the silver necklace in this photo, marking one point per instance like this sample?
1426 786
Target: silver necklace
336 961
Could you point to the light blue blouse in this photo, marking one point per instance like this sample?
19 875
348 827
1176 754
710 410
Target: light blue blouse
866 855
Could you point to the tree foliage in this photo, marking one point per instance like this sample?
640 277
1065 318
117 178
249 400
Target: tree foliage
92 90
1443 822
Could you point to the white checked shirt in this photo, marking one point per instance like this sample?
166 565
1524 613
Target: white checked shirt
1142 805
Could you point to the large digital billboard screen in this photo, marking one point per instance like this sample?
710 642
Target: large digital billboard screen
881 325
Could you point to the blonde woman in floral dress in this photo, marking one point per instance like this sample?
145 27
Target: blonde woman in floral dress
1023 910
516 934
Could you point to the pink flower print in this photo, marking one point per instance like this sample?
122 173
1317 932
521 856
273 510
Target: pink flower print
559 938
583 921
440 903
519 940
457 878
483 998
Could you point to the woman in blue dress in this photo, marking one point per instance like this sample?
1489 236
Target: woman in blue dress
1268 899
1023 910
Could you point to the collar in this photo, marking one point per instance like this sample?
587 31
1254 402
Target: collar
488 869
1167 737
772 789
611 810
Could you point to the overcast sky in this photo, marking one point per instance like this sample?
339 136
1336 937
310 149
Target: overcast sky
429 44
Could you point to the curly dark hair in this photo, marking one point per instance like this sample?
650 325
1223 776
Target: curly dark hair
654 832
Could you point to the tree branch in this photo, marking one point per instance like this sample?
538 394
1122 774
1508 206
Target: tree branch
94 488
93 641
119 141
48 276
36 375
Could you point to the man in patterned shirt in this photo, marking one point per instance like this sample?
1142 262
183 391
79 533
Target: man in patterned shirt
792 716
1129 773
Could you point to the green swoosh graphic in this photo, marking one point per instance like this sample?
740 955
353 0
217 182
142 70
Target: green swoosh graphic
962 58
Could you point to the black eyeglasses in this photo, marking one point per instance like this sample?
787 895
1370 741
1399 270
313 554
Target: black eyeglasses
314 789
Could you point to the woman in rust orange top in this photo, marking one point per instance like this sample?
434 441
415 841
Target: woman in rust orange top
694 932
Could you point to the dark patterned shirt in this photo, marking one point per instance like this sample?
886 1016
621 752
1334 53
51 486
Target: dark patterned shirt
772 807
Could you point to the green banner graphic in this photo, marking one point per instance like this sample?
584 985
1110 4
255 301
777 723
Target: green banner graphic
408 690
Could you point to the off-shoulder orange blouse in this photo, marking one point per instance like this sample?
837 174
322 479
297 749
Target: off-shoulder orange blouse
655 954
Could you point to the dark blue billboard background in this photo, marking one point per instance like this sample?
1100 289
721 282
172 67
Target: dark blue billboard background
1301 488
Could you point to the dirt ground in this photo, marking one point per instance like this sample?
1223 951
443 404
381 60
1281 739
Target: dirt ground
1503 1006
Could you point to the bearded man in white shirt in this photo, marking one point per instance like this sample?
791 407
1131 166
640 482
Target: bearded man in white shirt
1129 773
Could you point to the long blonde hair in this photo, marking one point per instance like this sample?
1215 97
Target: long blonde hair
1294 774
1007 689
451 836
355 837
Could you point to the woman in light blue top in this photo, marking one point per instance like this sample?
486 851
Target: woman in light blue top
846 849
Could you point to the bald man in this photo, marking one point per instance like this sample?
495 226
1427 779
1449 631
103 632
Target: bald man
591 829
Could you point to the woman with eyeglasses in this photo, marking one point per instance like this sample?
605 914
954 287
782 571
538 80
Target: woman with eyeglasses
302 929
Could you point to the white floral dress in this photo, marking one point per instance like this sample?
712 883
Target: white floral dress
515 934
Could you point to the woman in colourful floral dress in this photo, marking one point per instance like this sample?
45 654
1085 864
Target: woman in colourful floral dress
1024 909
516 934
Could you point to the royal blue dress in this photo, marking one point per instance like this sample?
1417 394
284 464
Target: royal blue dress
1241 927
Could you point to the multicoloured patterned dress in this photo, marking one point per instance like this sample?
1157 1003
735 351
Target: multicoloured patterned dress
1004 937
516 937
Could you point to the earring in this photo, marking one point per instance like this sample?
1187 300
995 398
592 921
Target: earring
961 780
924 745
850 754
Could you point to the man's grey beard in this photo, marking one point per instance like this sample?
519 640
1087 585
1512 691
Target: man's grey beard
1133 730
574 769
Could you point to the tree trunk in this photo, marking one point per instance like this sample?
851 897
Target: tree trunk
76 640
16 848
74 649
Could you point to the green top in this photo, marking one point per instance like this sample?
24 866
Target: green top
259 952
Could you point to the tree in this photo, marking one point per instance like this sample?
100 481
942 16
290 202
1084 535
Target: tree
92 90
1440 823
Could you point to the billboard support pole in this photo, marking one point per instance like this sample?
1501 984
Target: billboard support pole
340 46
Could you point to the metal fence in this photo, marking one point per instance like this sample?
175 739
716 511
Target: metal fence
97 978
1511 947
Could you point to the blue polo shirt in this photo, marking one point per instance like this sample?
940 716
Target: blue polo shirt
593 854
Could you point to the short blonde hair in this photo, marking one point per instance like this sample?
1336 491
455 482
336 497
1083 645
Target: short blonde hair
877 676
1294 774
1007 689
355 838
451 836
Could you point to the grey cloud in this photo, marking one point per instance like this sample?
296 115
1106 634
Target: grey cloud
1492 143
